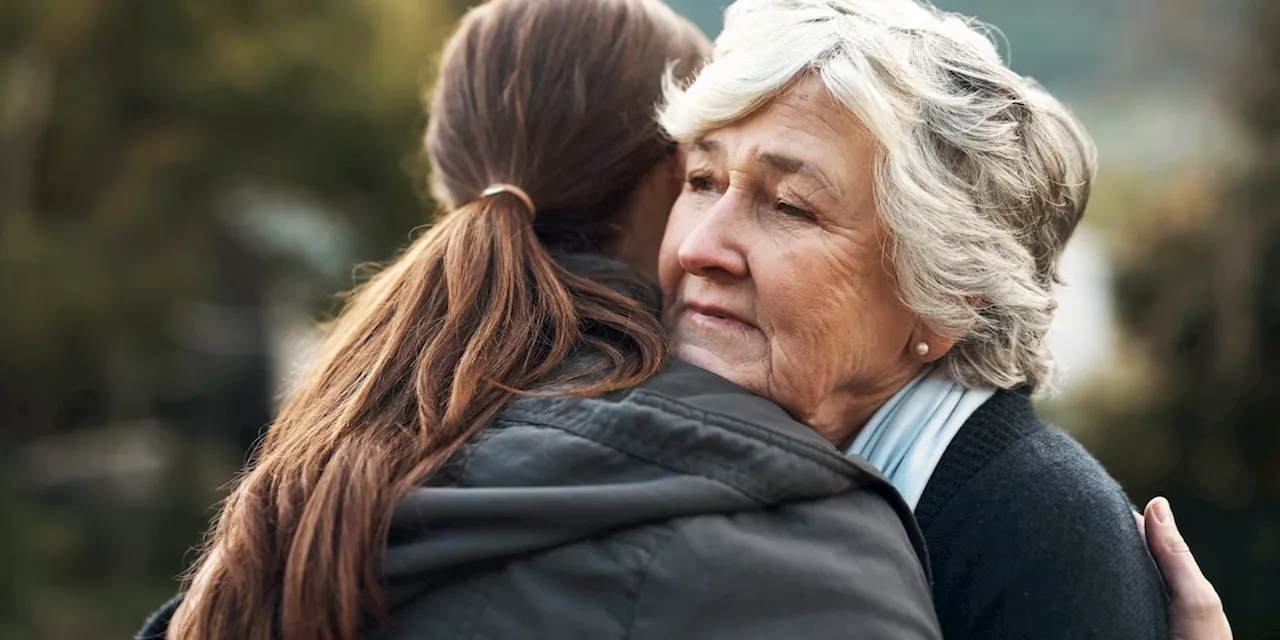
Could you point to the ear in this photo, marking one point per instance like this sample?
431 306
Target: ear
927 345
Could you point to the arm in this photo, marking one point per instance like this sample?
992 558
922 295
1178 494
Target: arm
833 568
158 624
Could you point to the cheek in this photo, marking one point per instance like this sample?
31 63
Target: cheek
875 325
808 312
834 316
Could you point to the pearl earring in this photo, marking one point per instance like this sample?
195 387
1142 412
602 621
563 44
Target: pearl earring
922 349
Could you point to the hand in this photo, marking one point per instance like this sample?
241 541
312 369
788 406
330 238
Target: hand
1195 611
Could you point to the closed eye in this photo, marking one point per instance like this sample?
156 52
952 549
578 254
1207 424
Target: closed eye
794 211
701 184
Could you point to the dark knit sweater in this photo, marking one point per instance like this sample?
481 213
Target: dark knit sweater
1029 537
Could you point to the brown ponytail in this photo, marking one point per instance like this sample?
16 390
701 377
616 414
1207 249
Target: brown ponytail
555 96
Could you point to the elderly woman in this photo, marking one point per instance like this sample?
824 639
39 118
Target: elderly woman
873 212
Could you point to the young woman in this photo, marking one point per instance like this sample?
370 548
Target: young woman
491 442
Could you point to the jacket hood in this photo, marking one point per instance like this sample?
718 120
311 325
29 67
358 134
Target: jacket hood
554 470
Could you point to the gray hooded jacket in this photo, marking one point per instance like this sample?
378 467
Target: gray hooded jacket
686 508
683 508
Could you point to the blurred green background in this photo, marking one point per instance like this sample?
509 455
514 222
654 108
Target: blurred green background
184 185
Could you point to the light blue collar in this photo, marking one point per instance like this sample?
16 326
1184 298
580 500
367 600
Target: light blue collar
906 437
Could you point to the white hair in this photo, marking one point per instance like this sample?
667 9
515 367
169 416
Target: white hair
981 176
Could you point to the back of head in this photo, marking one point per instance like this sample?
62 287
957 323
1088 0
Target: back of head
982 175
557 97
554 97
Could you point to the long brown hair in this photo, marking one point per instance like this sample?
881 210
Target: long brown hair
557 97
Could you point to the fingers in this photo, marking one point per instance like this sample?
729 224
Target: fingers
1196 610
1142 527
1181 573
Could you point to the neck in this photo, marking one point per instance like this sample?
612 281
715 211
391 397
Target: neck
842 415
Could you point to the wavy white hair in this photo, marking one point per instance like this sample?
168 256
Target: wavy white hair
982 175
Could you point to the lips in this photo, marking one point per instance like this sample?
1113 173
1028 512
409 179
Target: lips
716 316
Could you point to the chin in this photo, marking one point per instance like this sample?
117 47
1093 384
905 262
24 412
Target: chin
745 376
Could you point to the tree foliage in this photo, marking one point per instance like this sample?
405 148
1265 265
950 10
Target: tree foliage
136 139
1199 299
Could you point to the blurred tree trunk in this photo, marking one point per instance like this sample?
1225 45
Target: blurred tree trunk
24 109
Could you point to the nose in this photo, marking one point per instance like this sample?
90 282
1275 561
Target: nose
714 248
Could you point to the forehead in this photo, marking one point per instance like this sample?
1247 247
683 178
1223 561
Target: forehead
807 125
807 109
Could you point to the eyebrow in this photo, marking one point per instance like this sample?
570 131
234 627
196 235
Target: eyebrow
779 162
706 146
795 166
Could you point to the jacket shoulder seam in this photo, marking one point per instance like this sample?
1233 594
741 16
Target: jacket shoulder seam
795 446
529 422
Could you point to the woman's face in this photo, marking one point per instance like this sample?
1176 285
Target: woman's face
775 267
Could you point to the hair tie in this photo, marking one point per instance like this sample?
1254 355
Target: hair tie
500 187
